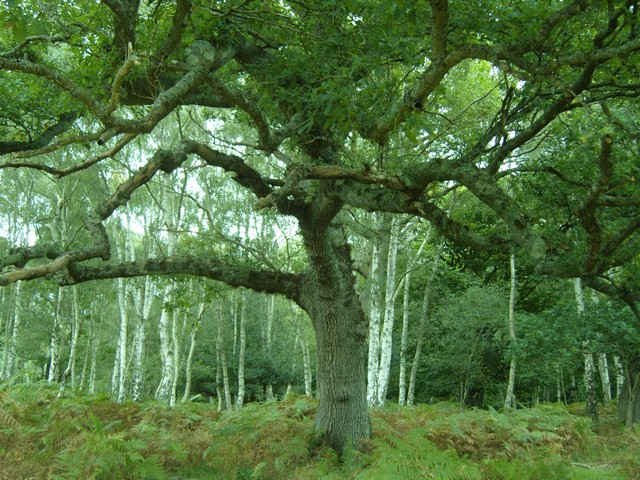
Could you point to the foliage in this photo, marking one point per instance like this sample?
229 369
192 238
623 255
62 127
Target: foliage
94 438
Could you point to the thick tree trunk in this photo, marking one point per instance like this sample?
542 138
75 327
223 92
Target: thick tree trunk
330 298
510 398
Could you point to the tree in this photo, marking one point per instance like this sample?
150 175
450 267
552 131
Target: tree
461 96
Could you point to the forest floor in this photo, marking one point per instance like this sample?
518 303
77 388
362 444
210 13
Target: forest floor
43 437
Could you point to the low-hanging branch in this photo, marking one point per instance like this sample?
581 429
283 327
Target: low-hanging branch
227 271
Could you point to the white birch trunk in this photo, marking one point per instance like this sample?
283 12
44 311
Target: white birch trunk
69 375
374 327
242 348
54 346
175 349
510 398
426 301
619 375
603 368
11 347
306 365
269 341
121 362
589 364
402 380
143 301
91 384
192 347
220 350
163 392
386 340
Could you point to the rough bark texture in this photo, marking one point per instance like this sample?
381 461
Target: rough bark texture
341 332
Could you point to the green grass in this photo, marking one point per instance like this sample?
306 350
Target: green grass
93 438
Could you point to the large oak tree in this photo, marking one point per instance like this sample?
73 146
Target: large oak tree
376 105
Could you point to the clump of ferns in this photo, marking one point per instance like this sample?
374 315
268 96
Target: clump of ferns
6 419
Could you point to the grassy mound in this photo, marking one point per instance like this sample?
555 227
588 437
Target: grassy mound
43 437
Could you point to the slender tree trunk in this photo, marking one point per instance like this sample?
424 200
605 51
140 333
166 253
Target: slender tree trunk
269 342
69 372
589 366
175 351
619 375
220 350
192 347
143 300
306 366
91 384
603 368
242 349
386 340
121 362
374 326
11 348
163 392
629 401
402 380
54 346
510 399
426 300
328 294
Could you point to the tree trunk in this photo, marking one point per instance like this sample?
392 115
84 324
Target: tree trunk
589 365
242 348
306 366
70 371
629 401
163 391
402 379
426 300
54 346
374 326
619 375
13 328
386 338
603 368
192 347
330 298
510 398
143 300
121 362
269 342
222 355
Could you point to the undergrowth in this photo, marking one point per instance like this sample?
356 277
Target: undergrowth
44 437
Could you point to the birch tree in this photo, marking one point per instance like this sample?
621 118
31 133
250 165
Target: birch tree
589 366
510 398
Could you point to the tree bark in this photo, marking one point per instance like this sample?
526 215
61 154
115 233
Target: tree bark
70 371
374 326
222 356
242 349
589 365
603 368
54 346
386 339
13 329
510 398
269 341
629 401
192 347
330 298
